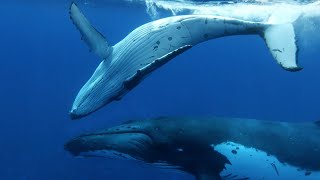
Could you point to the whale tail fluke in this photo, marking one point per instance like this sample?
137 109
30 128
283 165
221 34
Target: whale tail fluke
93 38
282 43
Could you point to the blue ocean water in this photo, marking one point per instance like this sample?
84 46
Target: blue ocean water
44 63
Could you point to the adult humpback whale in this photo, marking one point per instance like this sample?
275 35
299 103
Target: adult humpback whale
150 46
212 148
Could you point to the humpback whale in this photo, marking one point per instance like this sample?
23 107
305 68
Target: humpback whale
148 47
212 148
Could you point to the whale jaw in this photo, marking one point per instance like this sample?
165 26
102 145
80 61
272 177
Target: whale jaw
98 91
123 143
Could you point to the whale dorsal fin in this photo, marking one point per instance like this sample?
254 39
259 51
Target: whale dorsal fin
93 38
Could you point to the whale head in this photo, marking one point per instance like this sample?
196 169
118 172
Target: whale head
104 86
122 142
163 142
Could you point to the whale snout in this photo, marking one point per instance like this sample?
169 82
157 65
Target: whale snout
89 99
74 115
88 104
104 86
123 145
74 146
78 112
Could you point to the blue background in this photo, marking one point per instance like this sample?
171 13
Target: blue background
43 64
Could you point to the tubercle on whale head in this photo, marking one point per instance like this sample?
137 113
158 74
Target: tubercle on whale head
132 144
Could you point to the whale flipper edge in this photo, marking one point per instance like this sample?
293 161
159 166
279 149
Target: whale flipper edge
93 38
282 43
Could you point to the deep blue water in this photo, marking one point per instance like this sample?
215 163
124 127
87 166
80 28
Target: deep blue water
44 63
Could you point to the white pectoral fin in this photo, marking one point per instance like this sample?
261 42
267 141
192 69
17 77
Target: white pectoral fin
281 41
94 39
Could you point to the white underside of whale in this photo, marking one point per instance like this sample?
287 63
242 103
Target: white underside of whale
248 162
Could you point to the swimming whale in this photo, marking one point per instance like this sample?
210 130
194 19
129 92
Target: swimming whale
152 45
212 148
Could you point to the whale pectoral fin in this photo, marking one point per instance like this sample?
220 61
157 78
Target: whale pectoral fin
135 79
281 41
94 39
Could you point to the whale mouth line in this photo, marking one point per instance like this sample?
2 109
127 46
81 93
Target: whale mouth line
112 133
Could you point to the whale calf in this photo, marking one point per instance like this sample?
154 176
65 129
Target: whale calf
212 148
152 45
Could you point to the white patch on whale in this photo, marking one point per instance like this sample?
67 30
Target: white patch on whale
257 164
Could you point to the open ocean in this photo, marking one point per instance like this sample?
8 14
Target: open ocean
43 64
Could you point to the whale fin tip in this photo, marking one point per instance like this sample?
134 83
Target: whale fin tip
93 38
282 43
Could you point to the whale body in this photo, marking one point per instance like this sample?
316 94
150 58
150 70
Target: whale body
212 148
152 45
